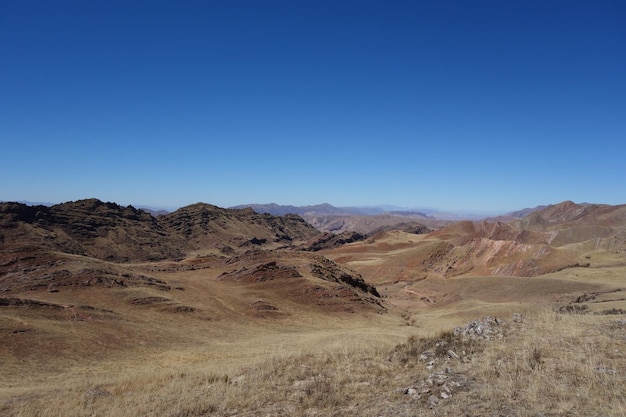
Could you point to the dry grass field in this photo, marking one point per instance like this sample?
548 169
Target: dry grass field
548 363
140 356
286 333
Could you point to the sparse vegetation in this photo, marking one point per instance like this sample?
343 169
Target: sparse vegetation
255 328
548 365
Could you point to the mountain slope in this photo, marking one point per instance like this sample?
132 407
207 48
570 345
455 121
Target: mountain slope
365 220
372 224
547 239
89 244
551 239
111 232
87 227
130 280
204 227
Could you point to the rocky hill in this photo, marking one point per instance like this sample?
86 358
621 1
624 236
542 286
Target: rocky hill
204 227
408 227
94 244
304 278
108 231
545 240
548 239
90 227
331 240
568 213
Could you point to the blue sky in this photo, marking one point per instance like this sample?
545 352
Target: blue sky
458 105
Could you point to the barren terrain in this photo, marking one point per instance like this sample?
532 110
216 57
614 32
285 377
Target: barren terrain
107 311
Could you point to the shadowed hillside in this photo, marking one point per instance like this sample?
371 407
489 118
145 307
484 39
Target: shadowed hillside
111 232
204 227
87 227
374 223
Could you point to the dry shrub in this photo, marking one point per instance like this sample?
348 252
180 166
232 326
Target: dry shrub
408 353
574 309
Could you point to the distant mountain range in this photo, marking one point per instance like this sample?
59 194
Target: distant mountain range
326 209
365 220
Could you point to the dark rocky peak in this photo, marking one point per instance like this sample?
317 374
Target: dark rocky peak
407 227
95 208
74 211
12 213
330 240
89 227
208 217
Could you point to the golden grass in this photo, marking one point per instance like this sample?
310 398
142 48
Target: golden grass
557 364
551 364
220 361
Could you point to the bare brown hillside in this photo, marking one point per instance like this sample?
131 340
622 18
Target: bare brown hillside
551 239
547 240
107 311
373 223
151 303
128 276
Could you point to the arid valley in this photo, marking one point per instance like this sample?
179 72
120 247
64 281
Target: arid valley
108 310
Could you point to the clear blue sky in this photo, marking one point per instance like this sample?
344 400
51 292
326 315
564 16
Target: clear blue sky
458 105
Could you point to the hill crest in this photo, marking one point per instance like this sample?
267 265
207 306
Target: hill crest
112 232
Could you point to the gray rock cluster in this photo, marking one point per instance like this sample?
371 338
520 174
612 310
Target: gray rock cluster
439 385
443 380
607 371
487 328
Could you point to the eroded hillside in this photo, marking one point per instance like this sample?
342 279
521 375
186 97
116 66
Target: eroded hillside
554 238
108 231
129 276
118 306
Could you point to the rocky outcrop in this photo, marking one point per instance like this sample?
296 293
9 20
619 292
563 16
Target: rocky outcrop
331 271
91 227
264 272
446 358
330 240
206 226
115 233
307 278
